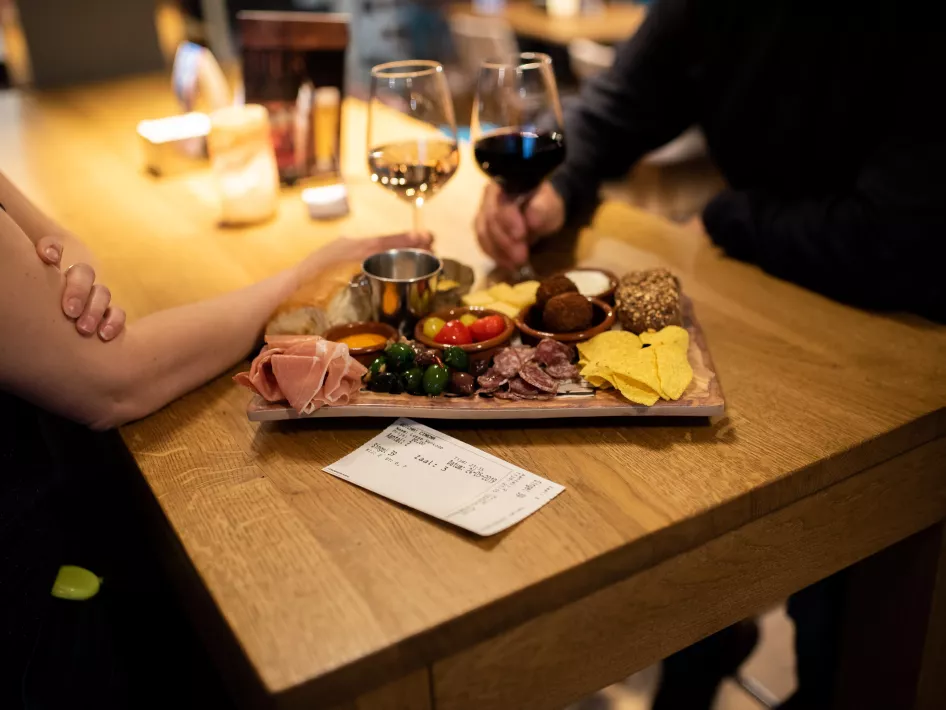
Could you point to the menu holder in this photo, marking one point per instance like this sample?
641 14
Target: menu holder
294 65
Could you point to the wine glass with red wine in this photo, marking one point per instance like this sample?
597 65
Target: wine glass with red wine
517 125
412 131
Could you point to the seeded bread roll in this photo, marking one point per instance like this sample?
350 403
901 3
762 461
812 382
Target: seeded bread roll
648 300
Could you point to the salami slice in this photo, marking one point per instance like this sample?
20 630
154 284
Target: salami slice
490 381
564 372
525 353
552 352
507 395
507 363
522 388
535 376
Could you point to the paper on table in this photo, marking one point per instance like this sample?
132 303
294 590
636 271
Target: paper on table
443 477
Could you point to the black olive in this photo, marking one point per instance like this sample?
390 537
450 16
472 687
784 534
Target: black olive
462 383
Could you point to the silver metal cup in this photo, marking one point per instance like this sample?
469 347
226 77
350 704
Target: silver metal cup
400 286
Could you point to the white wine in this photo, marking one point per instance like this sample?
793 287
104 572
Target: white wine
414 170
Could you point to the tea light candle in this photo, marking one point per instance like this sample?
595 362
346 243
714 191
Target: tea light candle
241 152
326 202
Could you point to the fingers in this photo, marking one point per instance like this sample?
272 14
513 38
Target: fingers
49 250
501 229
113 323
75 296
545 212
94 312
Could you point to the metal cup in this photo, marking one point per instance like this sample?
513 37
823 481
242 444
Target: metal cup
400 286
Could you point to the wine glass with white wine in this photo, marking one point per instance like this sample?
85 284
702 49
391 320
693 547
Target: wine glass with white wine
412 131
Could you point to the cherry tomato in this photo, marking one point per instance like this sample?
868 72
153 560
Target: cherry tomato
432 326
487 328
468 319
454 333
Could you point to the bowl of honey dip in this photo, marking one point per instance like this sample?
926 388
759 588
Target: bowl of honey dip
365 340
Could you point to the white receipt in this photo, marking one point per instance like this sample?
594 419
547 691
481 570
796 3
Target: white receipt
438 475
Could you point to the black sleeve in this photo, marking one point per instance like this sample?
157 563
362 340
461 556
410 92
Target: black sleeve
879 245
639 104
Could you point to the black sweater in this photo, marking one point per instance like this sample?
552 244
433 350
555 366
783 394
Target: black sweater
827 120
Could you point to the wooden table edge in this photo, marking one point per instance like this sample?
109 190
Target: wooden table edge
744 570
416 652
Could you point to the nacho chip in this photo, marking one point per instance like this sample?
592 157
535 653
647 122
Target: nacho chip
598 376
638 365
673 369
671 335
607 345
635 391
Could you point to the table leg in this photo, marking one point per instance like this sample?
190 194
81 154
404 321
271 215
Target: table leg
894 639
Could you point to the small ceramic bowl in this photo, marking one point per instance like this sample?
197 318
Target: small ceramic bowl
476 351
530 325
460 273
363 355
608 294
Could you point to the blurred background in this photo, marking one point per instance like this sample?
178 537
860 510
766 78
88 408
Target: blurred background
53 43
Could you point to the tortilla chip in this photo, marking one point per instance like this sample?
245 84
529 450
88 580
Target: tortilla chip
671 335
598 376
635 391
673 369
639 365
603 347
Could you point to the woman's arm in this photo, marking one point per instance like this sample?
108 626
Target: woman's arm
156 359
36 225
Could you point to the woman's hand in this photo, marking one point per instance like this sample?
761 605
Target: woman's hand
83 300
347 249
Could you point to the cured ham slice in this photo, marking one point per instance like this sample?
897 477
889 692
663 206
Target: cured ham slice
309 372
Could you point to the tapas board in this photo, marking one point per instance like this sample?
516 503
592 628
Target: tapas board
703 398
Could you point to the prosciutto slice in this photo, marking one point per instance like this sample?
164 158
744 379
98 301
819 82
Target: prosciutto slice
309 372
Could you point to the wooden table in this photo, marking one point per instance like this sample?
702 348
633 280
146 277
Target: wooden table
614 23
832 450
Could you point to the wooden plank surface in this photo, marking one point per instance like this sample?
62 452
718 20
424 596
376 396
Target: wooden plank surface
330 590
703 398
605 637
615 22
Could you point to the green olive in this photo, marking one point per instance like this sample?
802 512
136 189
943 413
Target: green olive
400 356
435 380
413 381
456 358
378 366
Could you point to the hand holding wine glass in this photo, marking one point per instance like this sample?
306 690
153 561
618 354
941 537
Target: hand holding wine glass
517 129
413 154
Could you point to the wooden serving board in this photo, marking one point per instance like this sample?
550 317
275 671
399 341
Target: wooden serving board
703 398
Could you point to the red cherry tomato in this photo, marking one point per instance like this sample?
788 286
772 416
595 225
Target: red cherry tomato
487 328
454 333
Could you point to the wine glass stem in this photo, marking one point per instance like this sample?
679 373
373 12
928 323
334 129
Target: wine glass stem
418 220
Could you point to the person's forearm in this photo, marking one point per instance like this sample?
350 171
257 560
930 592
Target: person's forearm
36 225
642 102
847 247
168 354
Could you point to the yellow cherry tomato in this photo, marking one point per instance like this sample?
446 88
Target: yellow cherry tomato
468 319
432 326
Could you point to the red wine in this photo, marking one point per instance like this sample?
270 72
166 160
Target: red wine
517 160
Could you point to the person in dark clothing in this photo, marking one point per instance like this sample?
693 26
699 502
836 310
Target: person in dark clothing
822 118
